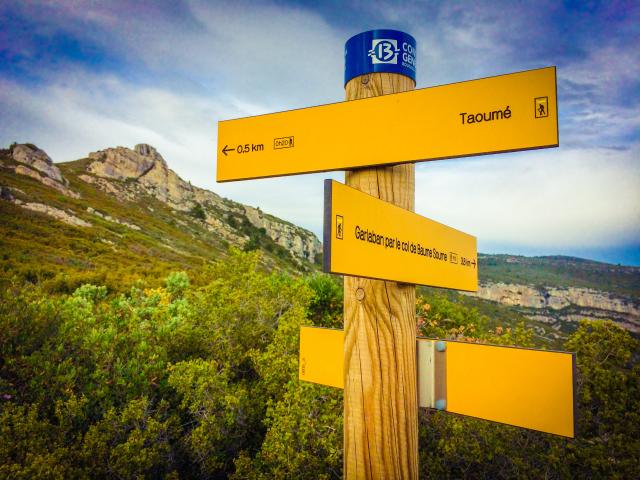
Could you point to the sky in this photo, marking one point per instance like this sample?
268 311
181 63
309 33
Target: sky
79 76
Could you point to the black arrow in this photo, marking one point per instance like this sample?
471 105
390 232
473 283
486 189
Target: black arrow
226 149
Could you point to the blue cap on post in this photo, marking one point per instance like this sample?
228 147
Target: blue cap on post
380 51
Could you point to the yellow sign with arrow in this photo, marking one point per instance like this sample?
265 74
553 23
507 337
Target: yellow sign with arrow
368 237
517 111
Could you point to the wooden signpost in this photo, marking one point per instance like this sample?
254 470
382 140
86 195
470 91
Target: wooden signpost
380 376
372 236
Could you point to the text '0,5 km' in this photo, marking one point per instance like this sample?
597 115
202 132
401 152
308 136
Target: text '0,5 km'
510 112
246 148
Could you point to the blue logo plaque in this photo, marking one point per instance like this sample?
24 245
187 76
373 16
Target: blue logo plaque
380 51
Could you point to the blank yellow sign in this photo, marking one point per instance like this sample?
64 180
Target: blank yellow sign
510 112
527 388
322 356
368 237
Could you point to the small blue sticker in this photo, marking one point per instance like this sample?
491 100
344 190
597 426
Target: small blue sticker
380 51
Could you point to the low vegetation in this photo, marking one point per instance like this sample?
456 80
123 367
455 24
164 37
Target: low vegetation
59 257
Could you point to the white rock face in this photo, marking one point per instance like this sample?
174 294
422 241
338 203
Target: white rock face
149 169
550 302
153 177
37 165
38 160
295 239
145 165
555 298
49 182
55 213
120 163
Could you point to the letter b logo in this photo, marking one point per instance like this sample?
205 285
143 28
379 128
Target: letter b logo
384 51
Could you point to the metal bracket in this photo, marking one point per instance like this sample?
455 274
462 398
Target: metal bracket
432 374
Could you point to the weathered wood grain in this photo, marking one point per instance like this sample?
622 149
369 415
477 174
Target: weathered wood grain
380 392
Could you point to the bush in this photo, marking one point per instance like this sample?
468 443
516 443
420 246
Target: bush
198 212
184 381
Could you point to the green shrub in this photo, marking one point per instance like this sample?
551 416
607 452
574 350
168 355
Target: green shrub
199 379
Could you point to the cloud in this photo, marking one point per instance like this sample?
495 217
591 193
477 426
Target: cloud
88 75
598 97
242 49
80 112
71 118
562 198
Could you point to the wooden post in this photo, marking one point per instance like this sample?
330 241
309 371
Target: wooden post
380 392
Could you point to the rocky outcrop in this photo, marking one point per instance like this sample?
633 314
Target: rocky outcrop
35 163
300 242
151 174
129 174
111 219
54 213
22 170
121 163
34 157
567 304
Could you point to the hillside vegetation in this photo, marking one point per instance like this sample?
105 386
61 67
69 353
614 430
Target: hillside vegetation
150 329
559 271
183 381
131 233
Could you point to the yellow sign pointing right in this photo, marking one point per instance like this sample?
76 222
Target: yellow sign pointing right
523 387
368 237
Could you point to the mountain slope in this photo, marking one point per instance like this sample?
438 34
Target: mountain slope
560 291
120 215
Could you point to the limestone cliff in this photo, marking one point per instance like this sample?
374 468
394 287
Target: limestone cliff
34 157
130 174
291 237
35 163
553 304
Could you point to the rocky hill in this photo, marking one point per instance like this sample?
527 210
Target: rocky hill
563 308
122 213
560 291
125 208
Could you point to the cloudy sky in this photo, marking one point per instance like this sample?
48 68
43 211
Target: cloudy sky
77 76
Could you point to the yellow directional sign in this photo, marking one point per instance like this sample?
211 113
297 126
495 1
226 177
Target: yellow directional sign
367 237
527 388
510 112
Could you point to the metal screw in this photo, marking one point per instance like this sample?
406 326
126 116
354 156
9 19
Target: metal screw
360 294
365 79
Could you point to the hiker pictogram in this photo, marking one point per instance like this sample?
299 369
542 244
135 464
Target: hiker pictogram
541 107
